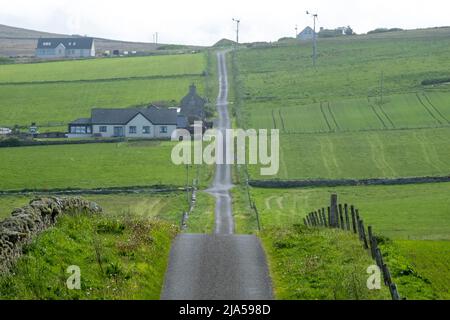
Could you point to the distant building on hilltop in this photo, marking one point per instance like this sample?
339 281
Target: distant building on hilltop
53 48
193 106
306 34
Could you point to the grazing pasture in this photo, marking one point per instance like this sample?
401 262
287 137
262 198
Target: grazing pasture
65 102
359 155
93 166
107 68
362 113
55 93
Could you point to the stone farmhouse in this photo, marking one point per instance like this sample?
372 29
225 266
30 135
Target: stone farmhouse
193 106
54 48
148 123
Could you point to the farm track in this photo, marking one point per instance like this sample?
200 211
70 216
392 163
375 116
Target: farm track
376 114
282 120
333 117
325 117
155 77
435 109
222 266
274 120
386 116
428 109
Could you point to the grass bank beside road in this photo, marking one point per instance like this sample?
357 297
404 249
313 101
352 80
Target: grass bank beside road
312 264
119 258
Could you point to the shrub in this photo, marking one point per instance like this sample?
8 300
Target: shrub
429 82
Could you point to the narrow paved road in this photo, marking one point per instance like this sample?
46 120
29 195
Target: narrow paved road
222 266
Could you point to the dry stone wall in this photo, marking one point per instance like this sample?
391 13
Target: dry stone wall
27 222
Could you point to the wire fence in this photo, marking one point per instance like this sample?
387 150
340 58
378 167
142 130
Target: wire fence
347 218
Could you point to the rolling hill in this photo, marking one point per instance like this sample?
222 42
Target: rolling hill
22 42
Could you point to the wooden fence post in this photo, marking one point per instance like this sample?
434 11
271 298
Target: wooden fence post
324 217
387 275
379 258
333 211
347 221
372 249
309 221
257 216
352 209
329 217
341 217
394 292
313 219
320 218
305 221
363 235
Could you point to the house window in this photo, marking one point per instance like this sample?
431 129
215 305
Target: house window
163 129
146 130
103 129
133 130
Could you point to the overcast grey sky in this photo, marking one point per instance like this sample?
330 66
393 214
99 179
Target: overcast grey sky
203 22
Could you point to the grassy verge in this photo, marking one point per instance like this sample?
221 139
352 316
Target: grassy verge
120 258
202 219
313 264
420 268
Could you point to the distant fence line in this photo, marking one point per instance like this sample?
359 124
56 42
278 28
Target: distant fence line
155 77
100 191
345 182
346 217
192 202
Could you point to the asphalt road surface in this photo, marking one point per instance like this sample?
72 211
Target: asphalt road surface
222 266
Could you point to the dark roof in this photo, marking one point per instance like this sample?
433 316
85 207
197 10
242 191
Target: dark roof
82 121
157 116
307 30
69 43
193 99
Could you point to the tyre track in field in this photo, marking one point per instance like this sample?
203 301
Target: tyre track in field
428 109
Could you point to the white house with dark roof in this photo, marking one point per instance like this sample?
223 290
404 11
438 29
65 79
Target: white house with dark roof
144 123
53 48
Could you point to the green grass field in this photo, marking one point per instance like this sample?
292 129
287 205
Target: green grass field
93 166
277 87
415 217
401 111
65 102
104 68
53 105
376 154
410 212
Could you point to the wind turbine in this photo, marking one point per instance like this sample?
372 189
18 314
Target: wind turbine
315 18
238 21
